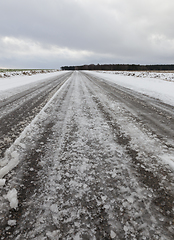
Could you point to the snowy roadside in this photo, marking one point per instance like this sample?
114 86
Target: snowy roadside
16 84
166 76
159 86
6 73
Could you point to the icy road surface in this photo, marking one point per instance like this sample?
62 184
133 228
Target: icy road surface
95 163
20 104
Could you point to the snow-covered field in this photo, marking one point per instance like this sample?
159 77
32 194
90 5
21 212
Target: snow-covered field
14 84
11 73
154 84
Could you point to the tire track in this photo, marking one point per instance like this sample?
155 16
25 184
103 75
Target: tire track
163 198
29 178
156 115
14 122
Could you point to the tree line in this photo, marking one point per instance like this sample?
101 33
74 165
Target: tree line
121 67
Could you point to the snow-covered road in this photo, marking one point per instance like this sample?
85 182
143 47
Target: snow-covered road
95 163
20 104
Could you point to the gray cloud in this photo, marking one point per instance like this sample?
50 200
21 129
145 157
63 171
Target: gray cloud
52 33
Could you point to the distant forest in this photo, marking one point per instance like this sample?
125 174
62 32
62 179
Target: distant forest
121 67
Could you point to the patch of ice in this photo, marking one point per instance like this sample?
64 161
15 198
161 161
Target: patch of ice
106 206
114 173
77 237
11 222
130 199
12 198
144 225
13 163
103 198
126 229
59 177
13 155
22 145
2 182
168 159
113 235
54 208
53 235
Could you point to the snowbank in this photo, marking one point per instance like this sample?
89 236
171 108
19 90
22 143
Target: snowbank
16 81
160 86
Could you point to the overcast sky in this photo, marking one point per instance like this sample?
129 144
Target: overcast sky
53 33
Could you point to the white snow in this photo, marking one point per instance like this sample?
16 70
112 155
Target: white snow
113 235
53 235
168 159
2 182
11 222
16 81
13 155
11 164
54 208
16 84
160 86
12 198
157 86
